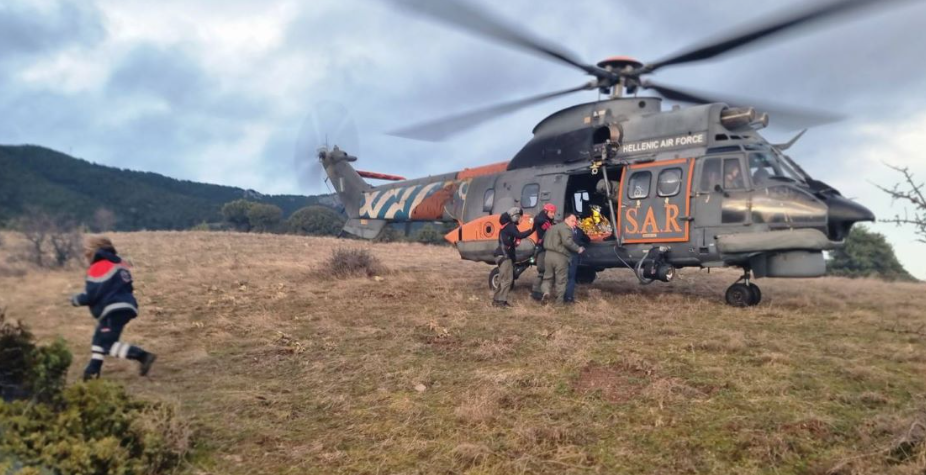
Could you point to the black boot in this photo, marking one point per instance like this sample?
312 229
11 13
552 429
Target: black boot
91 376
146 361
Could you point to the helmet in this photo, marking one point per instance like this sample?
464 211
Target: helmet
549 207
515 211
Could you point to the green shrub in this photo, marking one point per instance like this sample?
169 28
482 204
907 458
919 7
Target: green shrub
867 254
87 428
95 427
390 234
264 217
316 221
236 214
29 371
429 235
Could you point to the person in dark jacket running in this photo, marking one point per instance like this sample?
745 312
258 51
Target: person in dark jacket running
542 223
109 296
508 239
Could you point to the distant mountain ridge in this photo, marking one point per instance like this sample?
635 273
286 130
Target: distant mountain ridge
33 177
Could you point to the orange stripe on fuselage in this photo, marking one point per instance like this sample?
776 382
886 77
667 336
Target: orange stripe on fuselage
487 228
483 170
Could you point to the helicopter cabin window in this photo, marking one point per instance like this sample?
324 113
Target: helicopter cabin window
639 185
733 178
488 200
529 195
669 182
710 175
579 199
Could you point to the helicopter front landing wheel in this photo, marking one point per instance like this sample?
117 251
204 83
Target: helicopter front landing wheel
743 294
739 295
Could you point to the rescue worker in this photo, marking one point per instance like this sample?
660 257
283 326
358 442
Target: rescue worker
560 247
109 296
508 239
542 223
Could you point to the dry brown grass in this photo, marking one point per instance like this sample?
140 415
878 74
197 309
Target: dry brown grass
284 371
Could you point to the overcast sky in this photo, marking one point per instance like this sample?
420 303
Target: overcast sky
216 91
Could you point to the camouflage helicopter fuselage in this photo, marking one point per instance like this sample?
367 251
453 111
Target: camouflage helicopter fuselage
673 184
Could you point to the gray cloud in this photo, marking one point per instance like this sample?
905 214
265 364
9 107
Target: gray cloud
390 69
27 29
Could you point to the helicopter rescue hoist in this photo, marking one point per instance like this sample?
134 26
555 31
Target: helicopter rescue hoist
655 189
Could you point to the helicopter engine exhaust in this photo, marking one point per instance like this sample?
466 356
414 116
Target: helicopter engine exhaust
737 117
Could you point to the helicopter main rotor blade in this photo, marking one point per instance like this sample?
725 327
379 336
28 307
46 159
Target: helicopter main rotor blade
781 23
787 116
470 18
441 129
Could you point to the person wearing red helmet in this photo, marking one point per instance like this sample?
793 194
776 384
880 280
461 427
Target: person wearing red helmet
542 223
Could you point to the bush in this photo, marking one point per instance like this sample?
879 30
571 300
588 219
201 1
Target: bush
346 263
263 217
428 235
95 428
28 371
236 214
867 254
87 428
316 221
390 234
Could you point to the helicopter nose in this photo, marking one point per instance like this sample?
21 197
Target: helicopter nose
842 214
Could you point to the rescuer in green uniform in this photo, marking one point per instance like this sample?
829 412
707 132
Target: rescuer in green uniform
560 247
542 223
505 255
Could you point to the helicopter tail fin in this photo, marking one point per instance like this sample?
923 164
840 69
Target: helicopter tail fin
347 183
350 187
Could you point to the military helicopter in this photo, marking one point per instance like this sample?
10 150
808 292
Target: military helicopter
657 189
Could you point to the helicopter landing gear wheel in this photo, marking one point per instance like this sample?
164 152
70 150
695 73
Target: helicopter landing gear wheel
756 294
739 295
744 293
493 280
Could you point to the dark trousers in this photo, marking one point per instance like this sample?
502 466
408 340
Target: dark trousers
106 341
571 279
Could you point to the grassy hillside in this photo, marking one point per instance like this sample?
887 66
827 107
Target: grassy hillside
37 177
286 371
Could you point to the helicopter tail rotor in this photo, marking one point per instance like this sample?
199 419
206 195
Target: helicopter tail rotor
328 126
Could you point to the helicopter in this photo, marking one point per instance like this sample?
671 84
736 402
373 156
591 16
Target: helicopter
656 189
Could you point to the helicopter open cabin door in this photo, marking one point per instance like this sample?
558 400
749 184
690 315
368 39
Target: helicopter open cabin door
655 202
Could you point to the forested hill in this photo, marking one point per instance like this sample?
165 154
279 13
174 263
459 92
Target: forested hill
33 177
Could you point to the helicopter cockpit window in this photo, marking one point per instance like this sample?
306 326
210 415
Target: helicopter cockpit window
669 182
710 174
639 185
488 200
529 195
733 174
763 166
